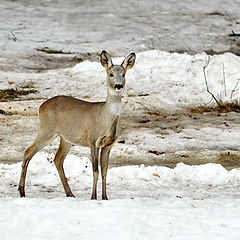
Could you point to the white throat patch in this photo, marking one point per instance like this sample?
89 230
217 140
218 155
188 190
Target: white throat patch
115 109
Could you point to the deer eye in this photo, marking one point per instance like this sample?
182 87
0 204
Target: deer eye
111 75
123 75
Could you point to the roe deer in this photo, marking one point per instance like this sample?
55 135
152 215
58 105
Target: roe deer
77 122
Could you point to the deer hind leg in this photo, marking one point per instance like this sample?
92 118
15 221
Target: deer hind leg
94 159
42 139
104 158
62 152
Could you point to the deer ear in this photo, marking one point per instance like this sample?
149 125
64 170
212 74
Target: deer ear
106 59
129 61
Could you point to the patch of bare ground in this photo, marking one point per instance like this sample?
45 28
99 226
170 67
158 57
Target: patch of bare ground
229 159
165 125
44 59
13 94
19 127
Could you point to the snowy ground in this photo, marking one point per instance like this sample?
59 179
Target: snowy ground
187 202
199 196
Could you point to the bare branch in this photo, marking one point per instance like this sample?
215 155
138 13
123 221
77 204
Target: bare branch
150 44
235 88
208 101
147 108
233 34
14 37
206 83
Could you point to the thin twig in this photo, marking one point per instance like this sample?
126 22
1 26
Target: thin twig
224 82
205 78
233 34
143 105
235 88
14 37
208 102
150 44
52 51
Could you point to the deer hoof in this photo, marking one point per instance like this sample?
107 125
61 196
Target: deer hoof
70 195
21 191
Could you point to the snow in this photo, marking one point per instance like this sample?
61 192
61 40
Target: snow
153 202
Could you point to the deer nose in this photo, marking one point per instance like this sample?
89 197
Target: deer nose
118 86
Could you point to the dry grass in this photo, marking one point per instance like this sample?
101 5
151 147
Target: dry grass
11 94
52 51
222 107
154 112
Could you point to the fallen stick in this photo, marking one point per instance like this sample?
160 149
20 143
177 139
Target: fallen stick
233 34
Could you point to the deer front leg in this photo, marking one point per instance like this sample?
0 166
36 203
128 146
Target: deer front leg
94 159
104 158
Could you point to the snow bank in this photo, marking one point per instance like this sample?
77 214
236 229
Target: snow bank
168 80
187 202
42 173
177 79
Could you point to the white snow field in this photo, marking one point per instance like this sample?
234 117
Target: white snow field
152 202
187 202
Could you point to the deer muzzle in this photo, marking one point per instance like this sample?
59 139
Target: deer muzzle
118 86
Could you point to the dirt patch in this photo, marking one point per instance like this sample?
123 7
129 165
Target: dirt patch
149 138
11 94
228 159
47 59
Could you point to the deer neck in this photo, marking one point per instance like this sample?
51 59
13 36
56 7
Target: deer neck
113 106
